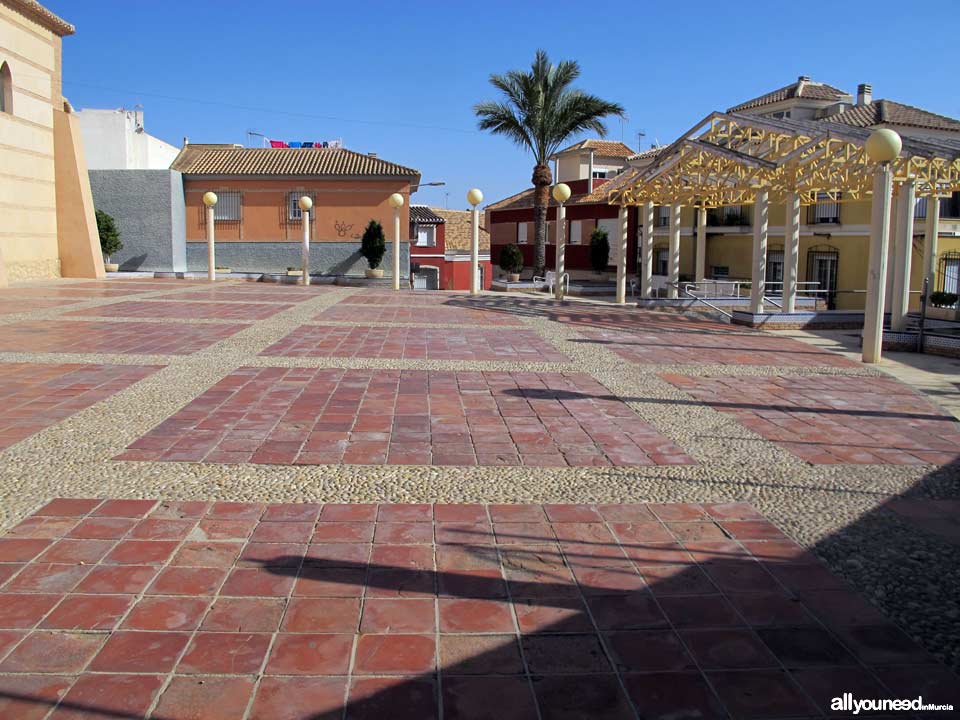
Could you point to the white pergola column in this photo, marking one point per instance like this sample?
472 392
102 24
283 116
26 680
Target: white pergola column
758 279
903 257
930 239
791 252
891 248
877 276
646 242
622 255
673 267
701 271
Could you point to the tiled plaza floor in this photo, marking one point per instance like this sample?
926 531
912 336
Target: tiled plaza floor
414 300
139 609
372 417
419 315
184 310
663 347
33 397
80 336
415 343
835 419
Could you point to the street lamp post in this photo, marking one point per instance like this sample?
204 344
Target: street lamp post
883 147
561 193
210 200
396 202
475 197
305 204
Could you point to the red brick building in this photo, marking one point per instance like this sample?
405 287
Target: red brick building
590 168
440 249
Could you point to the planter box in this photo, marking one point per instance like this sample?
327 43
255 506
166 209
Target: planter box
936 313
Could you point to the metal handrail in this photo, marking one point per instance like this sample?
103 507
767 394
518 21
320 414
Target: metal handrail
698 299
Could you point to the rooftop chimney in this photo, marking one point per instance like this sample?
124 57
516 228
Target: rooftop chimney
186 141
803 78
864 94
371 155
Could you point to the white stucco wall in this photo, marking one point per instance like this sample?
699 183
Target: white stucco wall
111 141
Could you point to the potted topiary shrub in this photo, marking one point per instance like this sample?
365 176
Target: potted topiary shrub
511 262
599 250
109 239
373 246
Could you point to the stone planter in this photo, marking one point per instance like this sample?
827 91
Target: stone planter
111 267
939 313
223 271
294 273
374 272
513 277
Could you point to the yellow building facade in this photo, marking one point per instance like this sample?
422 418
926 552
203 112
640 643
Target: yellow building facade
49 227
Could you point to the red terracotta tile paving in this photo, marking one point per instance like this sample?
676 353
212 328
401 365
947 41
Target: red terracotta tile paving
720 348
421 315
173 310
330 416
829 420
750 625
36 396
122 338
415 343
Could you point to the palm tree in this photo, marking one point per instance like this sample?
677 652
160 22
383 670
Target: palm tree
540 112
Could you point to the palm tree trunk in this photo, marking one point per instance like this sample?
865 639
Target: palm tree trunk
542 180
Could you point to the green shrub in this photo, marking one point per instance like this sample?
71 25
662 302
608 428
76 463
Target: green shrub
373 246
109 234
511 259
599 249
943 299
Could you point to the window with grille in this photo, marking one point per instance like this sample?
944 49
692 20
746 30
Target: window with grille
426 236
293 204
721 271
228 206
826 210
948 276
774 266
662 265
521 233
663 216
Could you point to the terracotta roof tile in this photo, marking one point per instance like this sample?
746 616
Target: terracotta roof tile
459 230
36 12
802 88
888 112
227 160
524 199
422 215
605 148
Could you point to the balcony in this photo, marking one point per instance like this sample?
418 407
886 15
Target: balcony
731 216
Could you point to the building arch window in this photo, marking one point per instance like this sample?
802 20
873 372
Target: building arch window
6 89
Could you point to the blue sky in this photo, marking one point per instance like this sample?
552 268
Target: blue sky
400 79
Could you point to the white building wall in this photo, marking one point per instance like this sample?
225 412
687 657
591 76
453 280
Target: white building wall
116 140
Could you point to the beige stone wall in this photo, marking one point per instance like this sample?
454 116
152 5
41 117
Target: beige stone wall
28 234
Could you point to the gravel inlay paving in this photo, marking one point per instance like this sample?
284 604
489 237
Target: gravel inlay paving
330 416
411 300
415 343
663 347
417 315
397 610
33 397
70 291
11 307
184 310
80 336
873 421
